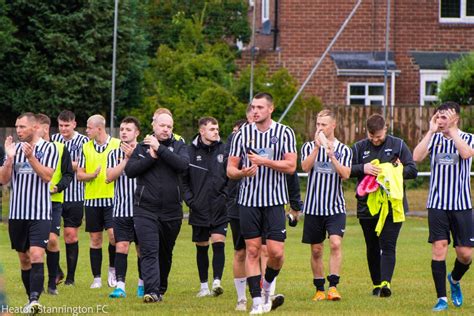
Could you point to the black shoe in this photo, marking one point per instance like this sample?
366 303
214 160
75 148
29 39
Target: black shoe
52 291
376 291
277 301
385 291
59 276
152 298
69 282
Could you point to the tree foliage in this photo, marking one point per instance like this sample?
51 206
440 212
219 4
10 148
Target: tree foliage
221 19
459 85
62 57
6 30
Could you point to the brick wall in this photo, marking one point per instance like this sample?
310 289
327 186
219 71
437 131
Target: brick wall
306 27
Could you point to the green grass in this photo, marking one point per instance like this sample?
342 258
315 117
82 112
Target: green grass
413 290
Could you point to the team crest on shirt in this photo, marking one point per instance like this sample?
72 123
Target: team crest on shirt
74 147
220 158
337 155
171 149
39 154
274 140
366 154
198 158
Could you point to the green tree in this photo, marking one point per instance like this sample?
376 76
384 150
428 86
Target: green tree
222 19
459 85
6 30
62 57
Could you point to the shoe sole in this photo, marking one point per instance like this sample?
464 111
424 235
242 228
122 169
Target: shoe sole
335 299
217 291
385 292
277 301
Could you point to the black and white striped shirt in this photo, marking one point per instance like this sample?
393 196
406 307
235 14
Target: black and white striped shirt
29 197
124 186
268 187
102 202
450 182
75 191
324 194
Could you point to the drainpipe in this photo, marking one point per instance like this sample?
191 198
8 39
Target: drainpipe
275 29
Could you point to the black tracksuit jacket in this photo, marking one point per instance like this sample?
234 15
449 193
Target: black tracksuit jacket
205 183
392 148
158 193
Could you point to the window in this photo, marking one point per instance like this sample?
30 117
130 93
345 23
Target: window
365 94
265 10
456 11
429 85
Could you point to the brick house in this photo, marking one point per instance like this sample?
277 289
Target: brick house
424 36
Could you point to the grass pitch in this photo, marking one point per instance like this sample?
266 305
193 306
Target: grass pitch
412 285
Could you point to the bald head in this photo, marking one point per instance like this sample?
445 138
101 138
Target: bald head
162 126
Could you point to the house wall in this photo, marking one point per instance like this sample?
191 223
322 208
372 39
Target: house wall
306 27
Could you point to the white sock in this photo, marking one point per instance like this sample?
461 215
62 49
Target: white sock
140 282
257 301
266 286
121 285
98 280
216 283
240 287
273 286
204 286
444 298
112 269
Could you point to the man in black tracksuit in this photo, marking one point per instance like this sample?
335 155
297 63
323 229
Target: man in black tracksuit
205 194
158 164
380 249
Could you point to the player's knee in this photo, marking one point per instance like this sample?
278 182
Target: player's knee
239 255
121 247
335 245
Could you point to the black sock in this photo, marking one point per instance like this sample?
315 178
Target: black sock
36 280
319 284
52 261
459 269
333 280
438 269
120 266
254 286
72 253
139 265
96 261
271 274
111 255
25 277
218 259
202 262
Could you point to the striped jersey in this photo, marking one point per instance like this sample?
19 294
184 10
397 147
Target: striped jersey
268 187
124 186
324 194
30 198
450 182
102 202
75 191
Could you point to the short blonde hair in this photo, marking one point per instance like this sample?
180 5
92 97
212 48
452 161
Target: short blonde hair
97 120
327 112
163 111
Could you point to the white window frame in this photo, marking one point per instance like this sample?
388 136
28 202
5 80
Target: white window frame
265 10
462 19
430 75
366 97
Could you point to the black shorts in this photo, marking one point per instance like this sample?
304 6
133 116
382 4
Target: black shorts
239 241
28 233
124 230
266 222
73 212
56 218
201 233
459 223
98 218
316 226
